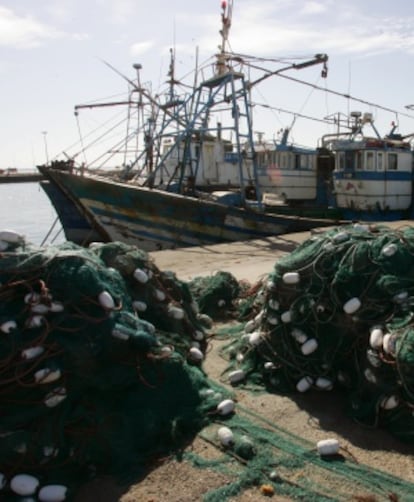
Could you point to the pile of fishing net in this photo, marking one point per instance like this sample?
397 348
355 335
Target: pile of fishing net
100 373
338 312
216 294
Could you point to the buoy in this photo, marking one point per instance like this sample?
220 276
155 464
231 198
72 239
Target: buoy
370 376
55 397
324 383
376 337
159 295
309 346
291 277
56 307
250 326
389 250
273 320
373 358
11 237
198 335
304 384
237 376
299 335
46 375
40 308
167 350
327 446
175 312
106 300
225 407
225 436
139 306
286 317
8 326
50 451
360 227
273 304
340 237
255 338
140 275
24 484
35 321
52 493
390 402
32 297
400 297
120 334
32 352
259 317
388 344
195 354
352 305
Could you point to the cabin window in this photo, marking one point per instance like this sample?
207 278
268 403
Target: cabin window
297 161
359 160
392 162
283 161
341 161
369 166
260 158
380 161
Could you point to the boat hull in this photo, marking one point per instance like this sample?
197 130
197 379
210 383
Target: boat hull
76 227
154 219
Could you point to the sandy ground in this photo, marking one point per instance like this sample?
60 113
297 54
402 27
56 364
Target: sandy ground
308 416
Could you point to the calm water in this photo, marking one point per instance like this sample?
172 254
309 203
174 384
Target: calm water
25 208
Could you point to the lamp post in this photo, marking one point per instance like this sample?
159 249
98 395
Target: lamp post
45 143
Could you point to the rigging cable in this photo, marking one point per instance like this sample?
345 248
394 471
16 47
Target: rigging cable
344 95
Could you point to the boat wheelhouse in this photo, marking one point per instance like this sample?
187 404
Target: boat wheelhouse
373 175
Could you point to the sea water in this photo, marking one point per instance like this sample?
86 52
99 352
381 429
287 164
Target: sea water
25 208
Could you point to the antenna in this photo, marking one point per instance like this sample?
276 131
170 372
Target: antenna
226 14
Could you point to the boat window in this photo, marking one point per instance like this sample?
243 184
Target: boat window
392 162
260 158
359 160
297 161
283 161
369 163
380 161
340 161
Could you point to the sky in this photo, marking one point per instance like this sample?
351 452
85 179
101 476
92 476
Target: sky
53 56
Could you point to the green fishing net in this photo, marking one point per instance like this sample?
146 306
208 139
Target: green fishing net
338 313
100 364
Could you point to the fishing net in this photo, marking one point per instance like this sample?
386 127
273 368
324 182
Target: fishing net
338 313
100 365
216 294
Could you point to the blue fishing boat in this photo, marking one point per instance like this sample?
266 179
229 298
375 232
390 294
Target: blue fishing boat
373 175
197 180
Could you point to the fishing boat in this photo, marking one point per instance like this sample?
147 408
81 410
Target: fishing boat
373 175
75 224
195 182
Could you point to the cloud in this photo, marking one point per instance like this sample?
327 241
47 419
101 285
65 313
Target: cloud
274 28
313 8
121 11
140 48
23 32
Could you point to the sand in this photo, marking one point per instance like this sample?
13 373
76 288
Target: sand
312 417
